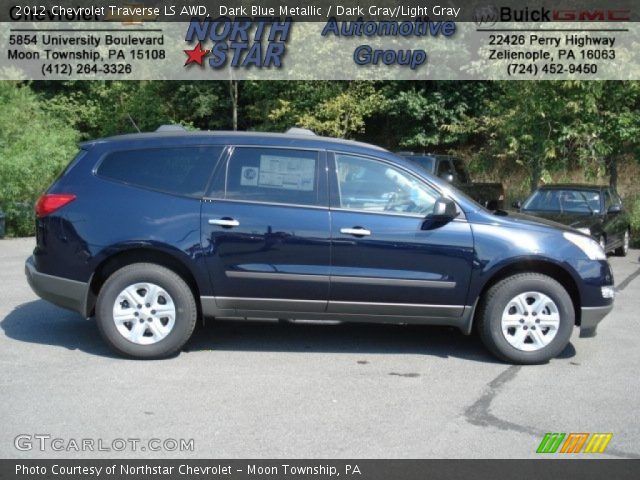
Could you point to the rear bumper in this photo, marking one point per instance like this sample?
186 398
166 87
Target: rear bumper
591 317
65 293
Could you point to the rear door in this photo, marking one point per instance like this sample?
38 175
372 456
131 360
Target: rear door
265 230
386 260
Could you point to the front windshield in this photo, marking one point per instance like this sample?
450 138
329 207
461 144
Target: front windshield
576 201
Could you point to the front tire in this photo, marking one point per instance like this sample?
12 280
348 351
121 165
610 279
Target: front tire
603 243
146 311
624 248
526 319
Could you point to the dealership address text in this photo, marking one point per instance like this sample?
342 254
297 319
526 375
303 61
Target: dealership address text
551 54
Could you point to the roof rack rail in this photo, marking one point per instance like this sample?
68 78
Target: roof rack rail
171 128
300 131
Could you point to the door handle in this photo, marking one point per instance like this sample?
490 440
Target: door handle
356 231
224 222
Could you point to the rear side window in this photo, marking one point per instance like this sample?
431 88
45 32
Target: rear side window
273 176
181 171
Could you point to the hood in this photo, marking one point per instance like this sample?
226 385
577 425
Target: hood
515 219
570 219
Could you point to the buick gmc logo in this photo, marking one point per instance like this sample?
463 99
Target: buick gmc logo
592 15
489 15
486 16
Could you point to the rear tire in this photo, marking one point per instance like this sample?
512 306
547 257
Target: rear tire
146 311
526 319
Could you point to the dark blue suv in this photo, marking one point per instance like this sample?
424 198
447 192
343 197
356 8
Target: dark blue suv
149 232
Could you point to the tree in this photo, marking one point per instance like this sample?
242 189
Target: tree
34 148
417 112
607 127
342 114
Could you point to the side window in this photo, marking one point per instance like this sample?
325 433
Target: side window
273 176
608 201
374 186
181 171
444 169
461 170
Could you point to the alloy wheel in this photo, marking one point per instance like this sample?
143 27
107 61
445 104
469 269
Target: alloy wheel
144 313
530 321
625 244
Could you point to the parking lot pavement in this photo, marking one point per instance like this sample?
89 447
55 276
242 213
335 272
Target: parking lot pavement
283 390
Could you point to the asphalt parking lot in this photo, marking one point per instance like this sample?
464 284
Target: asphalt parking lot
283 390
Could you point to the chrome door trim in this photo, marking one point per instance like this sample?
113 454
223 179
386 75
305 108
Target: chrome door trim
387 281
277 276
273 204
399 309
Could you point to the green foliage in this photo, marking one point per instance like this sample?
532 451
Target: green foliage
336 109
549 127
34 148
423 115
635 221
99 108
344 114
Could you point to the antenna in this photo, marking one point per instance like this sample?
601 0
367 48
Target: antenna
134 123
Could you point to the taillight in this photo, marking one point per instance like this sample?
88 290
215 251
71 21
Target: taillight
50 202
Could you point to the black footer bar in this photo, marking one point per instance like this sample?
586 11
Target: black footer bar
320 469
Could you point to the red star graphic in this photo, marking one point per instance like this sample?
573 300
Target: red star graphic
196 55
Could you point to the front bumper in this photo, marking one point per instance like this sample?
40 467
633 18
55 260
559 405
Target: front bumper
65 293
590 318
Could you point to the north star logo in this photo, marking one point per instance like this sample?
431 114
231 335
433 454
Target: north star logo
241 43
196 55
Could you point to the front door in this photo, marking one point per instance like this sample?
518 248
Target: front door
265 231
614 223
386 260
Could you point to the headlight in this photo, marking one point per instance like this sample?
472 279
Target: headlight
608 292
589 246
586 231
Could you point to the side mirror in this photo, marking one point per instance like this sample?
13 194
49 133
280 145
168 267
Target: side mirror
614 209
447 177
443 210
517 205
